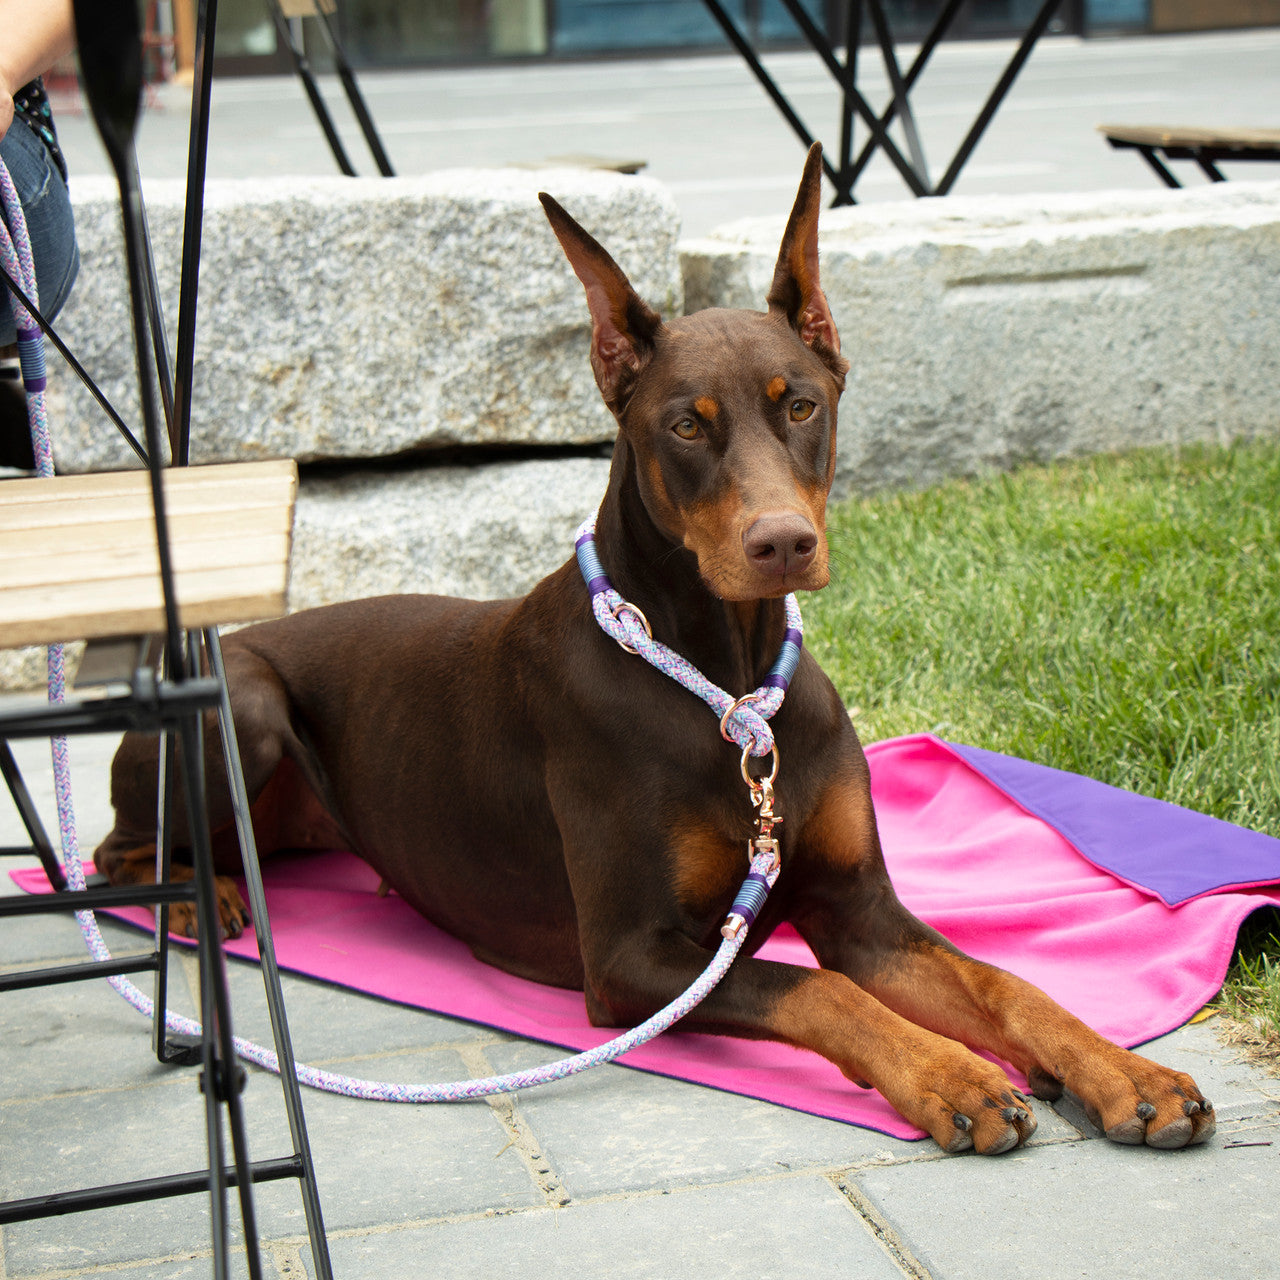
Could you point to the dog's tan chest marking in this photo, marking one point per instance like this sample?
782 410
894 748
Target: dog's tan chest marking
706 866
841 827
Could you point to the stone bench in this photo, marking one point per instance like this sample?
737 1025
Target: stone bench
357 318
369 325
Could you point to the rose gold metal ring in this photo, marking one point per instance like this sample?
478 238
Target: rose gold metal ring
627 607
758 784
724 719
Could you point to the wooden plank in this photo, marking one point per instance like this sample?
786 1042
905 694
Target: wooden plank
46 542
102 563
78 554
41 615
48 502
1191 136
175 479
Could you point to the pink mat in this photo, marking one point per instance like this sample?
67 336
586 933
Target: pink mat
974 847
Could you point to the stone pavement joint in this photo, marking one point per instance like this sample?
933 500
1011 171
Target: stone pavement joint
888 1239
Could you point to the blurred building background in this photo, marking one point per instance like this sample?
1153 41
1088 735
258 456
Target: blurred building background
415 33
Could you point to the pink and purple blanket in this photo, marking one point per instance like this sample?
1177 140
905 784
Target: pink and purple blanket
1123 908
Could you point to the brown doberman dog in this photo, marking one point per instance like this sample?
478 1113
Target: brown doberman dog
574 816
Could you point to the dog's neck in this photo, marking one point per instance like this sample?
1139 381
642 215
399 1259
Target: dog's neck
733 643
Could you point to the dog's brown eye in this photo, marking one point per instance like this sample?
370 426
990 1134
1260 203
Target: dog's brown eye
802 409
687 429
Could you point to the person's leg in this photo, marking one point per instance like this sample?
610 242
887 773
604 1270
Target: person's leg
47 209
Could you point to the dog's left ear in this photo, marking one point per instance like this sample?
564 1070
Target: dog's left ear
795 292
622 324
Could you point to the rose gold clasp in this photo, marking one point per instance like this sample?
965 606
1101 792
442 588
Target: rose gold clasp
762 798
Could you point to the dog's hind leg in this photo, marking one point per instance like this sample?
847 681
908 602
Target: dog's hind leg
128 854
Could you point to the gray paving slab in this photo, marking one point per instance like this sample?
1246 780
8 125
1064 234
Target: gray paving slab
377 1164
186 1267
90 761
610 1131
781 1229
105 1136
50 1034
380 1163
42 938
1087 1209
328 1023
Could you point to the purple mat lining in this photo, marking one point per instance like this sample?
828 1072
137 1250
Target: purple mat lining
1174 854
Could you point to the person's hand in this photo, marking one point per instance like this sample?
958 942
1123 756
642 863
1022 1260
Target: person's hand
35 37
6 104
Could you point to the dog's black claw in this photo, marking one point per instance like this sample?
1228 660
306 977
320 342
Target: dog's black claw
1011 1114
963 1123
1021 1097
1206 1106
1191 1107
1146 1111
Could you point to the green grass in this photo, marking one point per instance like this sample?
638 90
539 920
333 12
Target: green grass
1117 616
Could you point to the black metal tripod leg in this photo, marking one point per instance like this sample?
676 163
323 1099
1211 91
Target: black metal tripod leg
40 843
222 1073
303 68
270 969
193 227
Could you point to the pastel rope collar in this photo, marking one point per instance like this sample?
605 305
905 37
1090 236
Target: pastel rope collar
743 720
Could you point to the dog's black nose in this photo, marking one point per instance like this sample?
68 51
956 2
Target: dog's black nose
780 543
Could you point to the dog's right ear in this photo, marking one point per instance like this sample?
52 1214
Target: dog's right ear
622 324
795 292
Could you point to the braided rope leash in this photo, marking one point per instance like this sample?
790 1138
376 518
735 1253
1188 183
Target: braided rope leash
744 721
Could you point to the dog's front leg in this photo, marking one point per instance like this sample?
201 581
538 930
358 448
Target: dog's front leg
962 1100
855 923
1132 1099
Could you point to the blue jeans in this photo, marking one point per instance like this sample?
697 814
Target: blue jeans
47 209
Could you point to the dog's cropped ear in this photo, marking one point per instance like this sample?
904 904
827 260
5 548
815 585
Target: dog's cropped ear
622 324
795 292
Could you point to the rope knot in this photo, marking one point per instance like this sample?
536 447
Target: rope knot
744 722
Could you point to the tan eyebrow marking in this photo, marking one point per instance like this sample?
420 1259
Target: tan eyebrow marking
776 388
707 407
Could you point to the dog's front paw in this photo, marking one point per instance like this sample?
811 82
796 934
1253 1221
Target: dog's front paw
965 1102
1135 1101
